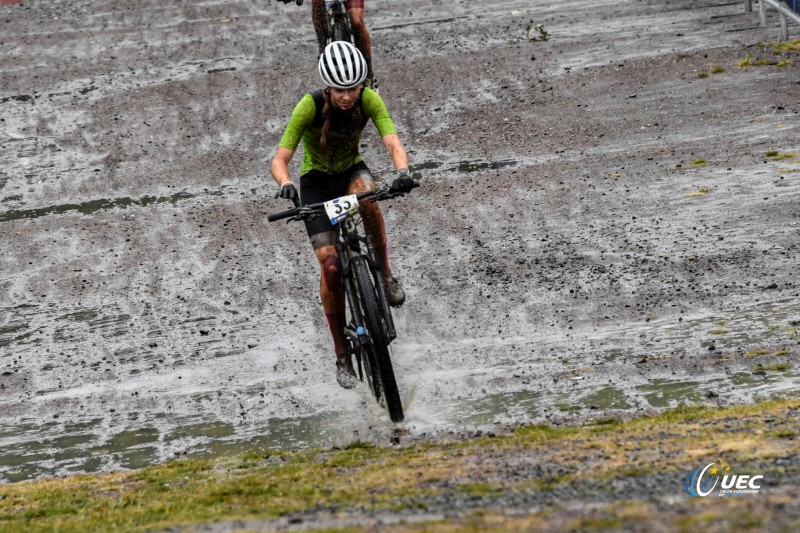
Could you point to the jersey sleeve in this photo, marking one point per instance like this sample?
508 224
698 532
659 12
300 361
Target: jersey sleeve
377 112
302 118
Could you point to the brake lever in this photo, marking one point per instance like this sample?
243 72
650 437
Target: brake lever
305 214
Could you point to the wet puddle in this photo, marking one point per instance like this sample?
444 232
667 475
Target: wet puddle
57 449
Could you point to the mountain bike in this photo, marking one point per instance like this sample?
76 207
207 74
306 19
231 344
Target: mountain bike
337 20
370 329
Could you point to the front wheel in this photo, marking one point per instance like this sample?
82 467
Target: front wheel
378 357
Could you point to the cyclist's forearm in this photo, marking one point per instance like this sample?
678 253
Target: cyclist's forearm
280 166
396 151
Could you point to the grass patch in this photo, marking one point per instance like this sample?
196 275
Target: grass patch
756 353
784 63
718 331
780 367
783 434
750 62
700 192
775 155
713 69
787 46
695 163
762 369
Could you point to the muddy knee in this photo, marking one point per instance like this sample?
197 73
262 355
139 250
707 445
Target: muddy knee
331 272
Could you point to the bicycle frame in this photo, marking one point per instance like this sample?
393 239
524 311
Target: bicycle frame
348 247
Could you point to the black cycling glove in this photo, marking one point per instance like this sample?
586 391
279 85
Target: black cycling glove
288 191
403 182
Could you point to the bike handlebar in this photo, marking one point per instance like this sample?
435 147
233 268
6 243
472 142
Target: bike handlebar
314 209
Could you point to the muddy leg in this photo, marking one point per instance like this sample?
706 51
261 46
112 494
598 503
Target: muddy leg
362 37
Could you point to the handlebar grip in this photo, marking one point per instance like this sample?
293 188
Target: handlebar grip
283 214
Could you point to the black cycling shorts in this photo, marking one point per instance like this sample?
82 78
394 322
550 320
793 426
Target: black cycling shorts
316 187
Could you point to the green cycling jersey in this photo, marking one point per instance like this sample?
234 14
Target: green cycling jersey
342 152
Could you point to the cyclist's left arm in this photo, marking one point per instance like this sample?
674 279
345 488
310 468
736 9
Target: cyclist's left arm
396 151
376 110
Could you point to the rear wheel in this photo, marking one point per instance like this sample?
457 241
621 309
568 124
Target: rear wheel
378 346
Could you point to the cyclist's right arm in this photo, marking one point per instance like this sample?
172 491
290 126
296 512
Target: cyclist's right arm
280 166
302 118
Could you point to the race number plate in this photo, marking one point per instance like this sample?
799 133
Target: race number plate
339 209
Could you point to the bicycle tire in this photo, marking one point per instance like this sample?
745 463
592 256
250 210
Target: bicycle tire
339 32
370 366
379 341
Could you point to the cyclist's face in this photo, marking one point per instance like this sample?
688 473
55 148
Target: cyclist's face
344 98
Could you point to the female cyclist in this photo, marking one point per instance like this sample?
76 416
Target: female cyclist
330 123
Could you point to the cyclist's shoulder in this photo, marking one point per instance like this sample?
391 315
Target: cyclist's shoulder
371 97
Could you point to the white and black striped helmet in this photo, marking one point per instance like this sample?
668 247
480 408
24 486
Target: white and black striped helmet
342 66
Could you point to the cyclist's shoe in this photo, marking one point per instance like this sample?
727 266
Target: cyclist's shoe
394 292
345 373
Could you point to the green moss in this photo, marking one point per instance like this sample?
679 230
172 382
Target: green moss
744 520
783 434
594 523
750 62
479 489
784 63
540 434
780 367
702 74
718 331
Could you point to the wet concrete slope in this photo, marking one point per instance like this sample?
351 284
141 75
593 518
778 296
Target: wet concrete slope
608 222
